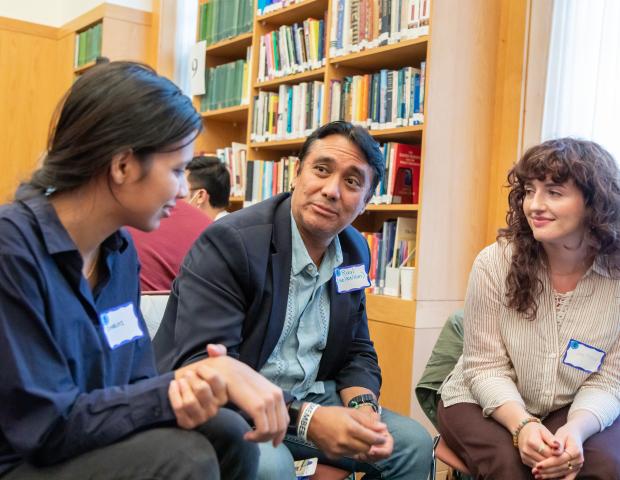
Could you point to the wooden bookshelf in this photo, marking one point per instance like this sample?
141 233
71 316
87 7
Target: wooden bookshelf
389 317
382 308
125 35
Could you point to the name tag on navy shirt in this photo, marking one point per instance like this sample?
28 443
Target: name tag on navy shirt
583 357
351 278
120 325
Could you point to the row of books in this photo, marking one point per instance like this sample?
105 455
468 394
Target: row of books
386 99
292 49
265 178
222 19
401 182
259 179
361 24
392 247
227 85
294 112
267 6
235 158
88 45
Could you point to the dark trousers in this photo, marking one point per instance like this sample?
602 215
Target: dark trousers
212 451
486 447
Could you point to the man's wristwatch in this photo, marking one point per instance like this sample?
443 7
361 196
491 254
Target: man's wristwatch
366 399
294 411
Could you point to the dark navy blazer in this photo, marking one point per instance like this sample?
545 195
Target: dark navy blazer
233 289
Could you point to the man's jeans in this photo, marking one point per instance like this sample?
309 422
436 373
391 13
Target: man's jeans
411 458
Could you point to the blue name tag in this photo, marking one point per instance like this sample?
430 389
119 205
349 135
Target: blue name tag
583 357
120 325
351 278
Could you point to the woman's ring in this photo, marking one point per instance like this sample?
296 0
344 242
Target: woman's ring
541 448
570 466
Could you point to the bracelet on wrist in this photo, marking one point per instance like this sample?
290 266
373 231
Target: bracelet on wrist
304 421
517 431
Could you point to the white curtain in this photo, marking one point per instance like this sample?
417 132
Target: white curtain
583 79
186 20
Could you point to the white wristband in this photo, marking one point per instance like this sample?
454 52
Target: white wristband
304 422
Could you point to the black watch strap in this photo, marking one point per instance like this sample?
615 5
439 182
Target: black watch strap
364 399
294 411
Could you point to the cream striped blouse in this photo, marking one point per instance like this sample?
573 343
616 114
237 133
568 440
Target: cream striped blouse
507 357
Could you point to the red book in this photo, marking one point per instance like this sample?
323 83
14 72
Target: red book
406 177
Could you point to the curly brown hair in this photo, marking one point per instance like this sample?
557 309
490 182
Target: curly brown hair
597 176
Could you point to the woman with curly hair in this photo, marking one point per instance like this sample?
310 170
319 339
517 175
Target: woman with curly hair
536 392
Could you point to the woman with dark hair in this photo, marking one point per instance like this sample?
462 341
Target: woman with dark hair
540 369
79 392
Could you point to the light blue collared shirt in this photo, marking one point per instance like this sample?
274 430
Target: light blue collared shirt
294 363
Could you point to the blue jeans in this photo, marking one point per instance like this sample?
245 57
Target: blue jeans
411 458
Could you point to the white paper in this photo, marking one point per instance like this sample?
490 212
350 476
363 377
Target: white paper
120 325
197 68
351 278
583 357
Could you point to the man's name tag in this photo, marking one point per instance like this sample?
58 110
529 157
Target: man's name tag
304 469
120 325
583 357
351 278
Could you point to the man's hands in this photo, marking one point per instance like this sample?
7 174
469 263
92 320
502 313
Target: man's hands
340 431
201 388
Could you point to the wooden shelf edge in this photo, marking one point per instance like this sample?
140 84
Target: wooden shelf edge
386 132
285 11
377 134
393 207
237 113
83 68
306 75
229 42
279 144
370 52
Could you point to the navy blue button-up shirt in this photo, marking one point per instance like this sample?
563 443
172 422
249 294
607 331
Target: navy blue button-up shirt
63 391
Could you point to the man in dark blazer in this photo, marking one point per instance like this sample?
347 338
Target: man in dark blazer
281 285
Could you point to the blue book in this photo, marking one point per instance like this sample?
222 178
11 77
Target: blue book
289 119
340 24
383 86
321 53
416 97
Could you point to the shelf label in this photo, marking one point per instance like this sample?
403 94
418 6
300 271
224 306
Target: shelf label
197 68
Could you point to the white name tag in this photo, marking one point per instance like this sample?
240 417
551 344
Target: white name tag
120 325
583 357
305 468
349 279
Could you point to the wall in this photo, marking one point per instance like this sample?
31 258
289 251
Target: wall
43 12
29 92
36 69
55 13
